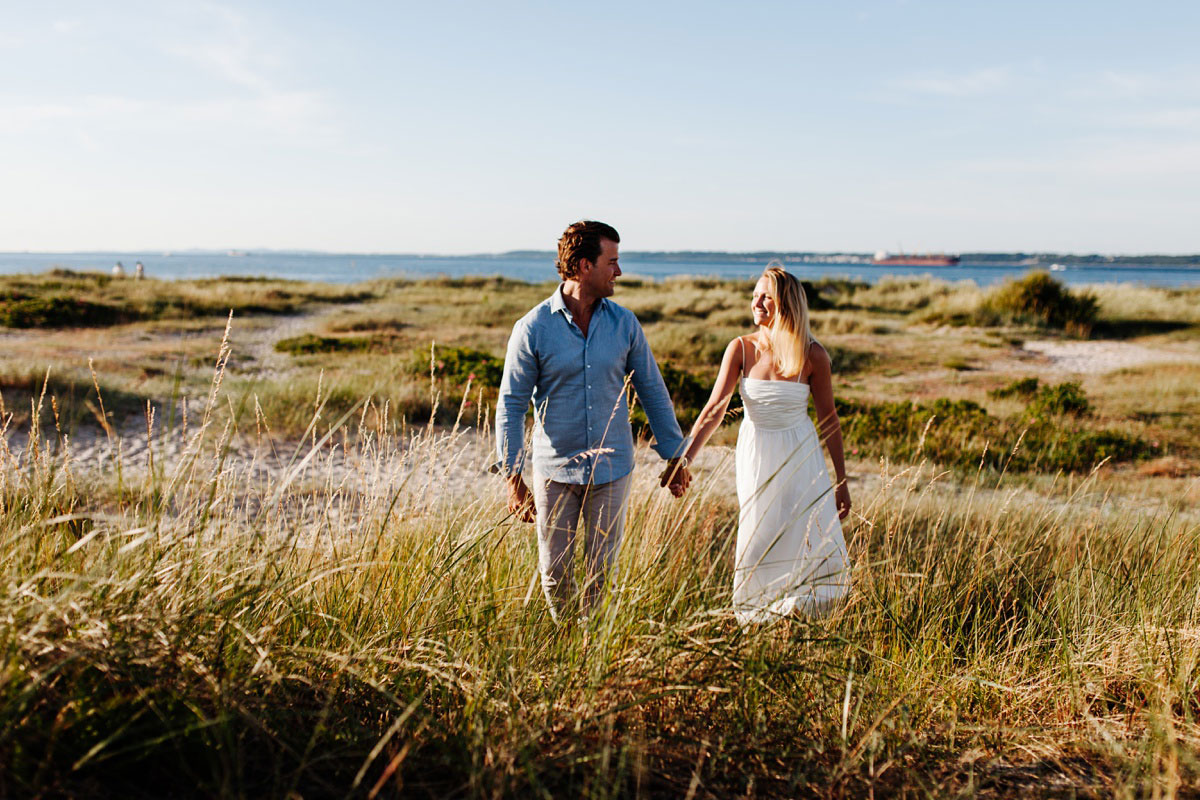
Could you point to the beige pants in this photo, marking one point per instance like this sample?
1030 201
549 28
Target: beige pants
559 507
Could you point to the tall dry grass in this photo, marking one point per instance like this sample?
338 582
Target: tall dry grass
345 623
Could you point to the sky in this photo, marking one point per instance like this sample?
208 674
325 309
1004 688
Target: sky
471 127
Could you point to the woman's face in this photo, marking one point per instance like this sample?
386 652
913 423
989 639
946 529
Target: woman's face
763 307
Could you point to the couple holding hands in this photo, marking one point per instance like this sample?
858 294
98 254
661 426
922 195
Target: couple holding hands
573 355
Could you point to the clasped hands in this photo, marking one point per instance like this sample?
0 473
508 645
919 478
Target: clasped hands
676 476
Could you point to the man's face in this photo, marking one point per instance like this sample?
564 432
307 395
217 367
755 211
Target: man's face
601 278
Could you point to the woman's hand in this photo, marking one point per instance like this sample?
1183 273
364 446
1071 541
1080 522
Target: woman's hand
842 495
676 476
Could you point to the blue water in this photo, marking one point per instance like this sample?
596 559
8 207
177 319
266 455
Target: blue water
349 268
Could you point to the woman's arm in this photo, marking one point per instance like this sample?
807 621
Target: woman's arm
820 383
714 410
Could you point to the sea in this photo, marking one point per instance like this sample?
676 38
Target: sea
539 266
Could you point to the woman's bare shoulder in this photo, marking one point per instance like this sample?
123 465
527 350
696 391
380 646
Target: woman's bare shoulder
739 343
819 356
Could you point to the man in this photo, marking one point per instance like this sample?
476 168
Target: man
572 355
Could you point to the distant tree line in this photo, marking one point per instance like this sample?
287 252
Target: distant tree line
1029 259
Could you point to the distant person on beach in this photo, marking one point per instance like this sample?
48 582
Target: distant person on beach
573 355
118 270
139 271
790 557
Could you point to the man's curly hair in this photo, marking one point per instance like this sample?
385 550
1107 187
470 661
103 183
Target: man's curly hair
580 241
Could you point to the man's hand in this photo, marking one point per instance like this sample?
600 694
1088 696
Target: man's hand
842 495
676 477
520 500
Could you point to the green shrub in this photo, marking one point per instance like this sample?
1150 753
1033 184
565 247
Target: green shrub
1051 448
688 394
961 434
63 298
458 365
816 300
648 316
310 344
1025 388
1039 299
958 409
18 310
1057 400
845 360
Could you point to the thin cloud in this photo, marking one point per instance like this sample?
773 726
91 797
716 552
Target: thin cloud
19 117
67 25
237 53
1128 84
234 53
1138 160
1166 119
979 82
1112 85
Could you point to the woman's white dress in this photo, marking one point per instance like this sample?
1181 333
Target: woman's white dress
791 555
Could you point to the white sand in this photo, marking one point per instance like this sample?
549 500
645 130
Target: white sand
1104 356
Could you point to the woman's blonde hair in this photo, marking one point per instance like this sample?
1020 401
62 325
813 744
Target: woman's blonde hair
789 335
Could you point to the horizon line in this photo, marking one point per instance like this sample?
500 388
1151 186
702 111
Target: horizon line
252 251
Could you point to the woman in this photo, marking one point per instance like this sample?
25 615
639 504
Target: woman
791 555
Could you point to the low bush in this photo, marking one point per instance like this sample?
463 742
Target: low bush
457 365
1041 300
62 298
961 434
1058 400
311 344
688 394
845 360
361 323
1024 388
19 310
817 300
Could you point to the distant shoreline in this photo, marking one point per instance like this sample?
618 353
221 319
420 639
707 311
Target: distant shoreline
1017 258
538 266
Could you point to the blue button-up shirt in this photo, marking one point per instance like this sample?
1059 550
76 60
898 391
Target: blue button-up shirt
581 431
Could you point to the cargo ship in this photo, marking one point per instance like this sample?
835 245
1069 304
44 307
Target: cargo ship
885 258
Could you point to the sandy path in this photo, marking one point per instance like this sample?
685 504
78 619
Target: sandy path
436 465
1097 357
253 340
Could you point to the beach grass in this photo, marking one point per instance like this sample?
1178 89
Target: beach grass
63 298
316 631
278 579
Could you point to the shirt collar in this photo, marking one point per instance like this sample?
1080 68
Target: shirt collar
558 304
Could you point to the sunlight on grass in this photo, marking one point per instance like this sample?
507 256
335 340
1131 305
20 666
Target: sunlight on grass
356 620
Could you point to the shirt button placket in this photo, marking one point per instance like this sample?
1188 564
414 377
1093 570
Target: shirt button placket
587 395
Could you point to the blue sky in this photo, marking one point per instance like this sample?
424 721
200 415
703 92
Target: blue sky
466 127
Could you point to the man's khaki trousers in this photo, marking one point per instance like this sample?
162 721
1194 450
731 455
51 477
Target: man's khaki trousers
560 506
